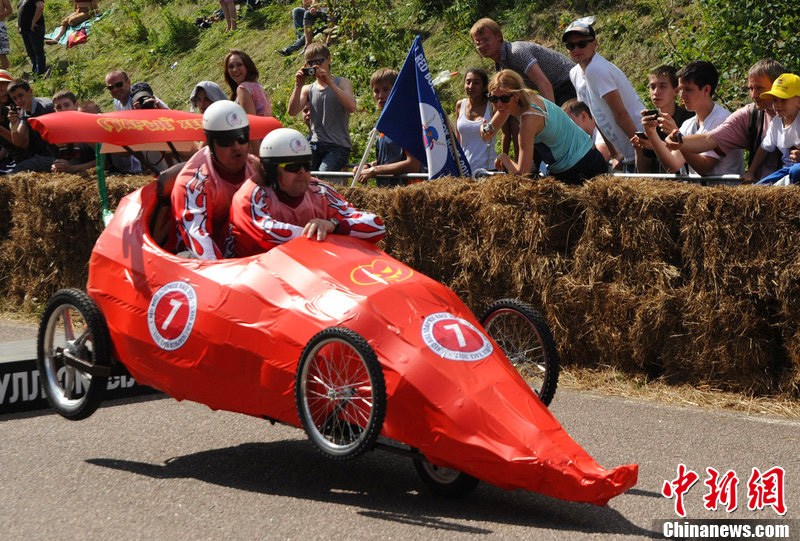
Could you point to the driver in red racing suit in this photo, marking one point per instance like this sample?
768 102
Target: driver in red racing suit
201 197
292 203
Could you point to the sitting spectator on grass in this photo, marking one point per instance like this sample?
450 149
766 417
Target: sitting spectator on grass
783 133
299 15
391 159
746 127
82 13
697 82
30 151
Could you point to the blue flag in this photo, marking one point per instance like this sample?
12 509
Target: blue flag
414 119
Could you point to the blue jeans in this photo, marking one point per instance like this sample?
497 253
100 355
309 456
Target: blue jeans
328 157
793 172
34 46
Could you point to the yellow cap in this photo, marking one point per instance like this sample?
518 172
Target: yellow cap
786 86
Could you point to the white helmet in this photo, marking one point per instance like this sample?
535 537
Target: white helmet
284 145
225 118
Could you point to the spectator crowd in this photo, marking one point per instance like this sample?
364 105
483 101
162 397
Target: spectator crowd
571 115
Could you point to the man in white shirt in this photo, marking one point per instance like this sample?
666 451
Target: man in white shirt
615 105
697 82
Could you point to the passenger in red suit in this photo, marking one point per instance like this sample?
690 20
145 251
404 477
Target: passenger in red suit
290 203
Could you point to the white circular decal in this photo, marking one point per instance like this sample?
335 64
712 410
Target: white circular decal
171 315
454 338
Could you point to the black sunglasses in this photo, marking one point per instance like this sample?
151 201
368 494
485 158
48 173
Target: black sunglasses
315 61
579 44
118 84
504 99
294 167
226 142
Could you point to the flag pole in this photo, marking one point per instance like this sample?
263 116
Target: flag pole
370 143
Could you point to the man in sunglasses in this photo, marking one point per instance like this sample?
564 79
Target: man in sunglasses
201 197
119 86
288 203
611 98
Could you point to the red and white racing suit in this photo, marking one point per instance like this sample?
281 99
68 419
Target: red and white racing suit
262 218
201 202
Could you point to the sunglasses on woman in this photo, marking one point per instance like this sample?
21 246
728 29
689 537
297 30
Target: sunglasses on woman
294 167
505 99
579 44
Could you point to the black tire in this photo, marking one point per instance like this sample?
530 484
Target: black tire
71 391
340 393
522 333
444 481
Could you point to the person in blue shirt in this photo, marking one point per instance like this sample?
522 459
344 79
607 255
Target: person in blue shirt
574 156
391 159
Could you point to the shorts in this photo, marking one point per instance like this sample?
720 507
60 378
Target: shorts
4 46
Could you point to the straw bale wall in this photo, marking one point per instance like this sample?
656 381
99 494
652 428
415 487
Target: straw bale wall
687 283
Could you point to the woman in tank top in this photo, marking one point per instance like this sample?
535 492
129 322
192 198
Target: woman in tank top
574 156
241 75
472 113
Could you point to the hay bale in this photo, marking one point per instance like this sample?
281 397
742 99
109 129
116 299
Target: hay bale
6 203
727 343
631 233
738 240
56 219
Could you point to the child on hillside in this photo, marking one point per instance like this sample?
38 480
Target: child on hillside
391 158
783 132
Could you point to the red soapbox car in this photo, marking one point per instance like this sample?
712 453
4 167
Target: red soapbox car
336 337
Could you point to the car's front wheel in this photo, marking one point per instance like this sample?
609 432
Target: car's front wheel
340 393
73 353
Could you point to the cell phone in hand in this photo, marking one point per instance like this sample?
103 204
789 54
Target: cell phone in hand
641 135
650 112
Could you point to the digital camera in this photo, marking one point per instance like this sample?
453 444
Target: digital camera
309 72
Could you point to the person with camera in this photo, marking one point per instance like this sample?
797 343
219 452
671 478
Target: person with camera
119 86
331 98
289 203
30 151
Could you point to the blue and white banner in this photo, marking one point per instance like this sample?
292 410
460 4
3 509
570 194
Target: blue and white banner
414 119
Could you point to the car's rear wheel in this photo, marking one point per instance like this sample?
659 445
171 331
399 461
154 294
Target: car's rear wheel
523 335
340 393
73 354
445 481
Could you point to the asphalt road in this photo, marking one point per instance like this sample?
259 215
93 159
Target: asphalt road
160 469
